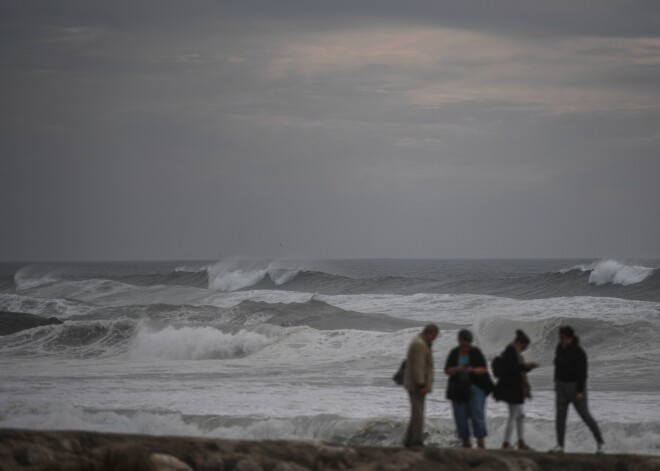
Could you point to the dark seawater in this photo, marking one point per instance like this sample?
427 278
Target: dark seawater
306 349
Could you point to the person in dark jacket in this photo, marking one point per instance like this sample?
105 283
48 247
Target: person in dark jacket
513 387
571 386
467 388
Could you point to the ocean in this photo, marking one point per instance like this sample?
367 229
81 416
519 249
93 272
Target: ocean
256 349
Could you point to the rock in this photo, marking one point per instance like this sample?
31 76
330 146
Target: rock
248 464
338 457
288 466
204 461
87 451
12 322
32 455
163 462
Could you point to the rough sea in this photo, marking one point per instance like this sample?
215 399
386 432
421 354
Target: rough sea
306 350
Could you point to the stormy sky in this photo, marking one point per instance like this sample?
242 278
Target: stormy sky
345 129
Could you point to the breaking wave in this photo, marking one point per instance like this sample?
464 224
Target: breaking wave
192 269
612 272
198 343
232 275
32 276
616 273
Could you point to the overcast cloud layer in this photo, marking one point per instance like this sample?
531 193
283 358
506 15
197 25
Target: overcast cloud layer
181 130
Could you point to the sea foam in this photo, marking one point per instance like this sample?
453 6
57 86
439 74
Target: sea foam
233 275
611 271
194 343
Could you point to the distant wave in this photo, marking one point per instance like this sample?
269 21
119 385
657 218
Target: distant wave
191 269
612 272
233 275
31 276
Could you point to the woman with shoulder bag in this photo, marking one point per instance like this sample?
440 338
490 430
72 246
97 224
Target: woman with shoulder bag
467 388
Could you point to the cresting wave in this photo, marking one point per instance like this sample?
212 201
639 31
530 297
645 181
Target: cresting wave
32 276
623 332
191 284
232 275
199 343
612 271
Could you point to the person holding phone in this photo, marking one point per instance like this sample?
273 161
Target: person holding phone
513 387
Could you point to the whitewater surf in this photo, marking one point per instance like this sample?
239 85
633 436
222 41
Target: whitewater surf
306 349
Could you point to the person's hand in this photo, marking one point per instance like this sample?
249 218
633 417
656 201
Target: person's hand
424 390
579 396
532 365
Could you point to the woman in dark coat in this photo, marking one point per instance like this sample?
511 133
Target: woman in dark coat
513 387
468 385
571 386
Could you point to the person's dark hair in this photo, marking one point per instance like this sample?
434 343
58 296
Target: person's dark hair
522 337
464 336
431 329
567 331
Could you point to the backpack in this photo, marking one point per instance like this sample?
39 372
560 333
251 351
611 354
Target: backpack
497 366
399 375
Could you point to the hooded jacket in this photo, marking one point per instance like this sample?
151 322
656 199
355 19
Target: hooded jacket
419 366
571 365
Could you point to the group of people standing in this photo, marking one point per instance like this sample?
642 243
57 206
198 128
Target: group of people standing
469 384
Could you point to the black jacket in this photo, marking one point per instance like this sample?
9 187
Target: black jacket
509 387
458 387
571 365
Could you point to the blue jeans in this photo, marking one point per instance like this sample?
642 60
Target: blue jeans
475 410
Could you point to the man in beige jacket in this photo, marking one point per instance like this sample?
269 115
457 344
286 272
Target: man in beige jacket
418 380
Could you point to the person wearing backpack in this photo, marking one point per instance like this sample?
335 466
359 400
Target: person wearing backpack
467 388
512 386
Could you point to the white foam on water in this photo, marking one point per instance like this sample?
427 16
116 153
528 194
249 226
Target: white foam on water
64 416
465 309
32 276
232 275
58 307
381 429
611 271
115 294
192 268
195 343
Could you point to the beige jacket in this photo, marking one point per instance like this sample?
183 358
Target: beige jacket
419 365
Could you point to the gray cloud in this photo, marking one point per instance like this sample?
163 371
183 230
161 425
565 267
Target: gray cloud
179 130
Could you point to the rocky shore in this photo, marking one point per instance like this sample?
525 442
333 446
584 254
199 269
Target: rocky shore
87 451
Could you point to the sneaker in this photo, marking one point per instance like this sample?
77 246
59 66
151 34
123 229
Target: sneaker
557 449
599 449
506 445
523 446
